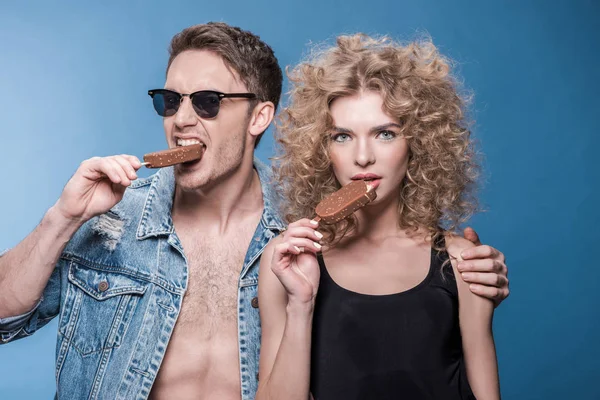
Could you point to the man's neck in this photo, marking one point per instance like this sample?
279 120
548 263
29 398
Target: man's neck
220 207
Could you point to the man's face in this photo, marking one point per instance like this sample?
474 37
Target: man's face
223 136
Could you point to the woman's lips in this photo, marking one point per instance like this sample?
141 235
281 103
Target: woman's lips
374 183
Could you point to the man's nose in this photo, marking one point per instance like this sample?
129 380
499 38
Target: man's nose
185 115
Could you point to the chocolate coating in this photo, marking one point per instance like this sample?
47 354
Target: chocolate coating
176 155
345 201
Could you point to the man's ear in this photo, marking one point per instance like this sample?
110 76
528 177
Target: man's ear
261 118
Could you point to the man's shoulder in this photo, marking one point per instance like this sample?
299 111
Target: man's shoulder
134 198
143 182
138 190
271 195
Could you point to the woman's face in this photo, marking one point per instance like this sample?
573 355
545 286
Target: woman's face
366 144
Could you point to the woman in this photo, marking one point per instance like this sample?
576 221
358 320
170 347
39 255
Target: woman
370 308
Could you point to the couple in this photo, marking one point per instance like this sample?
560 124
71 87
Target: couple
155 281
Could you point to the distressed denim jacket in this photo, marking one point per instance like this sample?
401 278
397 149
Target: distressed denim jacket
117 290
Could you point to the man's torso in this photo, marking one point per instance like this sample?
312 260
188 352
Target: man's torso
202 359
118 292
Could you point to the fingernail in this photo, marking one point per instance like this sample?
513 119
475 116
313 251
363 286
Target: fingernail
465 254
466 276
319 234
473 288
317 245
297 248
315 223
461 266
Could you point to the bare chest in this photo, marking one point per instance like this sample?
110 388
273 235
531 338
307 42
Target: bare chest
202 360
214 266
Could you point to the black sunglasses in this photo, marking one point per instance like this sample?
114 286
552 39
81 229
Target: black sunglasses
206 103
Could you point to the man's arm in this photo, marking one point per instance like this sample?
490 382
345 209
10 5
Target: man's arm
484 268
475 318
97 185
25 270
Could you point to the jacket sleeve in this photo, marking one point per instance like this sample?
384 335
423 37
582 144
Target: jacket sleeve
20 326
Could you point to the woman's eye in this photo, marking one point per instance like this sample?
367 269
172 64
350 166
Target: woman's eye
340 137
387 135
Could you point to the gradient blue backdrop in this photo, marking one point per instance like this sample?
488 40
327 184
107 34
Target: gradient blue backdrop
73 81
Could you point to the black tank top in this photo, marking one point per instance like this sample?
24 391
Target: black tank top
400 346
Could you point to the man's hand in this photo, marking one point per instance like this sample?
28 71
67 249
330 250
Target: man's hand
484 268
97 185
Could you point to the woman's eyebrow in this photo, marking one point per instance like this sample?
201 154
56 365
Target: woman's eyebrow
339 129
385 126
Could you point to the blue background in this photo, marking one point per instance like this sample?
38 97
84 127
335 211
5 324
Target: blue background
74 79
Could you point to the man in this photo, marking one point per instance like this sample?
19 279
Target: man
154 281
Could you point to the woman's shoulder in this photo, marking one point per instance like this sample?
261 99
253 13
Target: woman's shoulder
456 244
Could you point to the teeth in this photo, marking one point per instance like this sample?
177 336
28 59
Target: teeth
187 142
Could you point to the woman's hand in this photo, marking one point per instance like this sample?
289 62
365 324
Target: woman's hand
295 263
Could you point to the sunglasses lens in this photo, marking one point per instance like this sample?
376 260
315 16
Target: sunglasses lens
166 103
206 104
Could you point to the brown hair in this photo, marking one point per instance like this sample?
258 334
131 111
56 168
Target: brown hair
417 88
241 50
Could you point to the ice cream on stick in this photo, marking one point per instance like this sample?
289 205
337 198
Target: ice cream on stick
176 155
345 201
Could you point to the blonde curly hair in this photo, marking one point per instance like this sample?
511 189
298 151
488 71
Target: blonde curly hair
414 80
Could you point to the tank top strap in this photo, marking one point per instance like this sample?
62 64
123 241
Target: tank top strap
443 273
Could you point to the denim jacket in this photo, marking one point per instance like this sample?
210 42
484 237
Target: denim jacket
117 290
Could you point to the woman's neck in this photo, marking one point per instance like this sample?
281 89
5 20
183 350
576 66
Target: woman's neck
380 221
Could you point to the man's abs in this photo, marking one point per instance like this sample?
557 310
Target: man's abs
202 358
199 369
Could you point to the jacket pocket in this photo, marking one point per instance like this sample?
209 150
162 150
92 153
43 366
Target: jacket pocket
99 305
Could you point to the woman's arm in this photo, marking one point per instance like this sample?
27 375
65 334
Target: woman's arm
475 317
287 285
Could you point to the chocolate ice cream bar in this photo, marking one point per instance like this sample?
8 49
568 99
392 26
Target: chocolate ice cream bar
176 155
345 201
